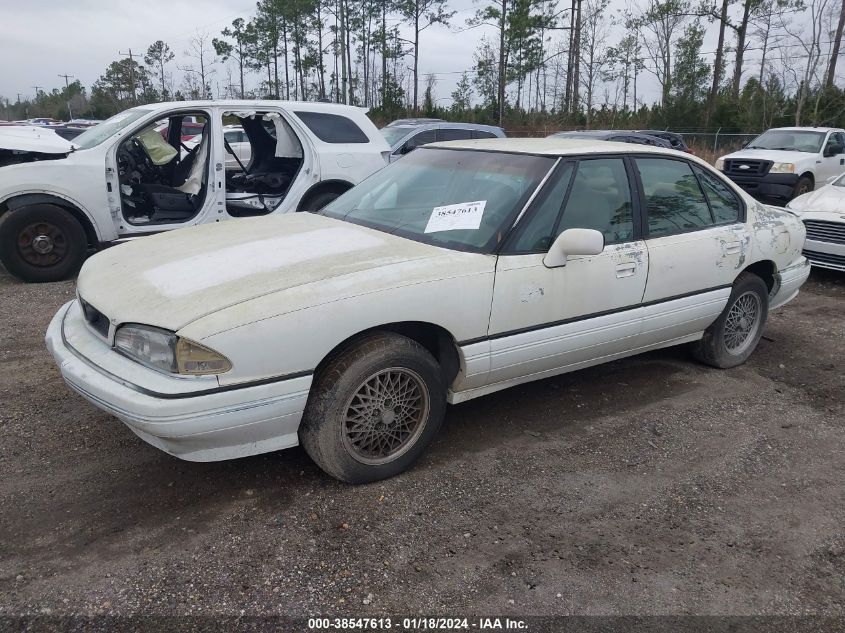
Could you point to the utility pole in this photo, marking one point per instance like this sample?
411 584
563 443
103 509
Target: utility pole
67 89
131 73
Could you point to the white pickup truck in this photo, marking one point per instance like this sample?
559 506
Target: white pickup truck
786 162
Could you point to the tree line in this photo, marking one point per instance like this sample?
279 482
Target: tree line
537 64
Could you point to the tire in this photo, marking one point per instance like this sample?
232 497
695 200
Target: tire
340 425
318 201
730 340
804 185
42 242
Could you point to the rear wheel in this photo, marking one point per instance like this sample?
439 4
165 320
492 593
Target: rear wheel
41 242
731 339
374 409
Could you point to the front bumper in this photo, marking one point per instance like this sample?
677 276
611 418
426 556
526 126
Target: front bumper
825 254
769 186
789 282
180 416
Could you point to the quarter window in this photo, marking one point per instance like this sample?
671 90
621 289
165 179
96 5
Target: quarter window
674 200
482 134
332 128
724 203
537 233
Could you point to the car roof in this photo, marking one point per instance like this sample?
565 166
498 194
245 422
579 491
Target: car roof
555 146
250 104
805 129
417 127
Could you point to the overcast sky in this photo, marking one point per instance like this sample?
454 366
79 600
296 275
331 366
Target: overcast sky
40 39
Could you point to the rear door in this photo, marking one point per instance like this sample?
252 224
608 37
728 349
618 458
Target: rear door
697 244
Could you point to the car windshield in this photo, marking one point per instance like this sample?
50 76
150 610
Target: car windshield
458 199
393 134
789 140
100 132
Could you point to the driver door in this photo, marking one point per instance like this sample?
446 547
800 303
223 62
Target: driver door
548 320
118 183
833 164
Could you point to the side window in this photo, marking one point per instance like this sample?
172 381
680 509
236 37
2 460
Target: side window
724 203
483 134
600 199
332 128
454 134
536 233
674 200
423 138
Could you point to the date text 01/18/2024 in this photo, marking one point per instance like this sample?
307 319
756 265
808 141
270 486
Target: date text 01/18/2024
416 624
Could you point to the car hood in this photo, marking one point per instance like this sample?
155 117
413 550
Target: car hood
29 138
172 279
779 156
830 199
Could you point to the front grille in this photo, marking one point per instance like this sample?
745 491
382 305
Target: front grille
826 259
743 167
821 231
96 319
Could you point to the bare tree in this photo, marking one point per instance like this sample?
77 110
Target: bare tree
808 37
595 28
201 49
662 22
834 53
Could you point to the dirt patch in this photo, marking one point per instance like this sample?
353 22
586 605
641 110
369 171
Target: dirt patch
652 485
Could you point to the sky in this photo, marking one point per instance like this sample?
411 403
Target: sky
41 39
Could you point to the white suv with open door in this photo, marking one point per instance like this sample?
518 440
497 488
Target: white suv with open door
137 174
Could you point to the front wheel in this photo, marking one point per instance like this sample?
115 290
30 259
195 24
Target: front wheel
731 339
374 409
320 200
804 185
41 242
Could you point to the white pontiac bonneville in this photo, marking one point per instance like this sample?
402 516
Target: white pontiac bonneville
465 268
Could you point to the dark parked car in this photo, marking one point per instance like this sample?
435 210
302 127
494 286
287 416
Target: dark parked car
619 136
675 140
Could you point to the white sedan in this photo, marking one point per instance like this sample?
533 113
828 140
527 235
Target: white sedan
465 268
823 214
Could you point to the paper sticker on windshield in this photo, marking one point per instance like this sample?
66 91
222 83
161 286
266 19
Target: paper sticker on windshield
466 215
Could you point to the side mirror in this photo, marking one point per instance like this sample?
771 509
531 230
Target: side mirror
832 150
574 242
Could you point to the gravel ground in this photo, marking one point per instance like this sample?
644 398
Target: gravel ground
652 485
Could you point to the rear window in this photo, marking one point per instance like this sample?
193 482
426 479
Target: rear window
332 128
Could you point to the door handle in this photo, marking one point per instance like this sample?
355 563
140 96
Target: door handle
626 270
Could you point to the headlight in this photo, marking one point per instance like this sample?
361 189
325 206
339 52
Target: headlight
782 168
164 351
720 164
